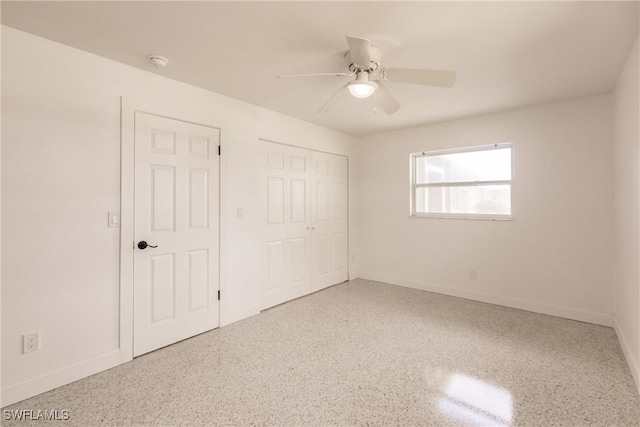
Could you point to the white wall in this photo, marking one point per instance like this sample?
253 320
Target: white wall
1 375
555 258
60 177
626 187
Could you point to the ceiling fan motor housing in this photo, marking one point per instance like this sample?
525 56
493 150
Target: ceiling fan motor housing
375 57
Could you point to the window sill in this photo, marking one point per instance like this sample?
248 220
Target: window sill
465 217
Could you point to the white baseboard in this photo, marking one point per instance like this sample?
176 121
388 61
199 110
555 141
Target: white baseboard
37 384
603 319
40 383
631 361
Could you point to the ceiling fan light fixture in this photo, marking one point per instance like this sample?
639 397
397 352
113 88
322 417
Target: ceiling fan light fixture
361 87
362 90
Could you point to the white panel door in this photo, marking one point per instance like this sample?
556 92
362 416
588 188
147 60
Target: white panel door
288 223
329 212
176 209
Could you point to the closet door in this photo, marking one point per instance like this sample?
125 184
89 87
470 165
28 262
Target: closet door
288 223
329 220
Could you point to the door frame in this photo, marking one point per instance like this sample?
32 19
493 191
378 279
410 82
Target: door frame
128 108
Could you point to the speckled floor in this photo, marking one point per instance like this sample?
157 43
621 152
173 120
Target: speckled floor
367 353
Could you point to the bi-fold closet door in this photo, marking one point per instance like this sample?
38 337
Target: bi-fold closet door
306 220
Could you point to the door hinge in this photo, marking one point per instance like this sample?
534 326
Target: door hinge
219 150
218 295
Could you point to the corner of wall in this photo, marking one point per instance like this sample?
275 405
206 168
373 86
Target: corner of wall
626 350
626 143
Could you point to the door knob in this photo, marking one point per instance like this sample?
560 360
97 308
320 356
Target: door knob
143 245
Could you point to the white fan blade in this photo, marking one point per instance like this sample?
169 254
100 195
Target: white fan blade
440 78
315 75
333 100
386 100
359 51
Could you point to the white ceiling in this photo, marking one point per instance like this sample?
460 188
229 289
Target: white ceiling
506 54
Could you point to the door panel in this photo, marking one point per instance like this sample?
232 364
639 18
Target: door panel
321 200
275 200
299 199
162 283
321 247
176 209
163 181
288 219
198 274
198 205
298 267
329 218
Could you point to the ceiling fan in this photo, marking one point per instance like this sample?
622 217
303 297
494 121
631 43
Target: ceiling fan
363 62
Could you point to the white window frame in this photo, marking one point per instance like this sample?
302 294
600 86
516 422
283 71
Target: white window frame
414 186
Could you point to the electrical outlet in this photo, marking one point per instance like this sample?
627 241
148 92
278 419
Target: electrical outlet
30 342
473 274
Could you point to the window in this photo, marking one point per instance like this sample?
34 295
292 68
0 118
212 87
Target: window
470 182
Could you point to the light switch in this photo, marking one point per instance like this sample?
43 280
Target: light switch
114 219
240 213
